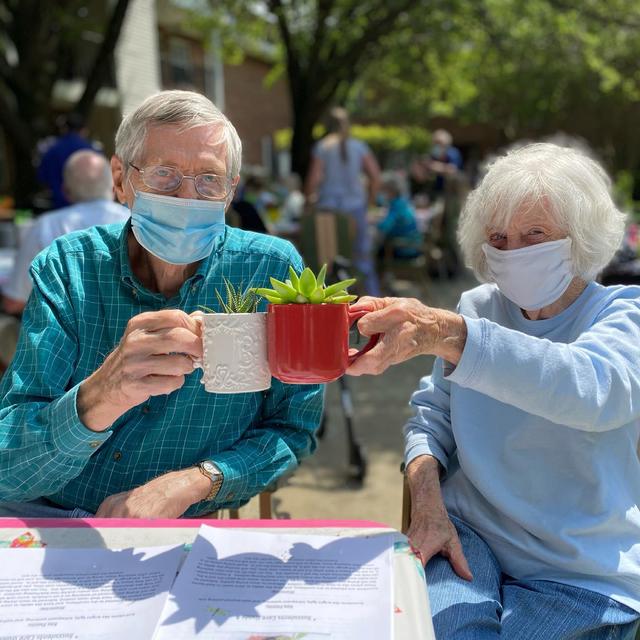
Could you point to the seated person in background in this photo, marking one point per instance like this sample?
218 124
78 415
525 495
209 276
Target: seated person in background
293 204
245 206
398 229
521 456
102 411
87 183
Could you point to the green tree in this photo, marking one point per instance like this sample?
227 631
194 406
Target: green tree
37 40
528 68
321 46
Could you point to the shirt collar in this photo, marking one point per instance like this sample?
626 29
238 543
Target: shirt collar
130 280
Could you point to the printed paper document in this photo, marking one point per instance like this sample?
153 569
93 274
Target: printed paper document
238 585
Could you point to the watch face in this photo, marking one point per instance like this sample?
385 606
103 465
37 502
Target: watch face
209 467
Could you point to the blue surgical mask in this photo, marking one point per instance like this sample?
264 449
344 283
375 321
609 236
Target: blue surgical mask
176 230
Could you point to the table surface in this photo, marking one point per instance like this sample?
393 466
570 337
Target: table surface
412 618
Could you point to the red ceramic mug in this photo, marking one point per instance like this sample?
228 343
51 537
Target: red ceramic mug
309 343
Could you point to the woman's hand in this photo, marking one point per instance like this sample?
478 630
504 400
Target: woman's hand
408 328
431 531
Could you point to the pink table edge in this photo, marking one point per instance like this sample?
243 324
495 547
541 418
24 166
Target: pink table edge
160 523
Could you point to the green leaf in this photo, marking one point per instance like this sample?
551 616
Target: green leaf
295 281
207 309
223 304
283 289
266 292
338 286
321 276
340 299
307 282
317 296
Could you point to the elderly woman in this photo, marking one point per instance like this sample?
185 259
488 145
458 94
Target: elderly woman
521 456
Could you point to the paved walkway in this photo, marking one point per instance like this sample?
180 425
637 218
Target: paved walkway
321 487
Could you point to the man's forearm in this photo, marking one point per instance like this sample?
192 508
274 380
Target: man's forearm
95 410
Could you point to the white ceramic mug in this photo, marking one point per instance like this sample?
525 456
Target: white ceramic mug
235 352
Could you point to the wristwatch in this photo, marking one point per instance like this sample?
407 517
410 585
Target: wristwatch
209 469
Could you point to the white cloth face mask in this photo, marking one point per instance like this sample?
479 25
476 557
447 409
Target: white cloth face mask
532 277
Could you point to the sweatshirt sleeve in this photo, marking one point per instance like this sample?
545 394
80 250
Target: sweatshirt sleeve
591 384
429 430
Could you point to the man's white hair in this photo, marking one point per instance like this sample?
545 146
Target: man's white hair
87 176
185 109
574 190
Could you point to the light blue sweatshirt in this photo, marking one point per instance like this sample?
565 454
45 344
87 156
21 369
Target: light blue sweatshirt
537 428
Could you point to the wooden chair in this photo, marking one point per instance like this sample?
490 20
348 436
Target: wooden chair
265 507
405 518
326 238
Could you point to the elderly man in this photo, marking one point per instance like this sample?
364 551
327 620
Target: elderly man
102 411
87 183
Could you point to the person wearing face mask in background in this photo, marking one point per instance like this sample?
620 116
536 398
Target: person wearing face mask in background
521 456
102 412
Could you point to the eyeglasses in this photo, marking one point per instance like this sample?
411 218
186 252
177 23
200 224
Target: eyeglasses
168 179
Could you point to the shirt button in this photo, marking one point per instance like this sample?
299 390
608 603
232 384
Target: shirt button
134 293
146 408
94 444
231 495
117 455
194 287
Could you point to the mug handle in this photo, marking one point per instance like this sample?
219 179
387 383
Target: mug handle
373 340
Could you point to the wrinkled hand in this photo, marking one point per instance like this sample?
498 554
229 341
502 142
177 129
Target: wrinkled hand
431 531
155 353
434 533
409 329
167 496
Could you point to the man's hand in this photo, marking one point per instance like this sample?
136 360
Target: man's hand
167 496
157 350
408 329
431 531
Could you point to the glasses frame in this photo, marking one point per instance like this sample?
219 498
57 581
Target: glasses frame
141 171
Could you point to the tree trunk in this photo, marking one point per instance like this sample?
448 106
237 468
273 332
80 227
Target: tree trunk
100 68
24 180
301 143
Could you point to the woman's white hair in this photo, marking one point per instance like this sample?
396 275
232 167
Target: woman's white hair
186 109
568 184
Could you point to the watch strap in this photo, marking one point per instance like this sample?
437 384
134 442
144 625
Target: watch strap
216 480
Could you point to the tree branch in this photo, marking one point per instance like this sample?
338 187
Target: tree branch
100 67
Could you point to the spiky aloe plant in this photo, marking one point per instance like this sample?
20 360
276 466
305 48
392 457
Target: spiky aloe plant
306 287
238 301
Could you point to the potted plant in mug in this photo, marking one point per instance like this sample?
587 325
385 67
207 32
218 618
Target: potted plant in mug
235 344
308 326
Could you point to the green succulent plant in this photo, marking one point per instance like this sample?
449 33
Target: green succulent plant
305 288
238 301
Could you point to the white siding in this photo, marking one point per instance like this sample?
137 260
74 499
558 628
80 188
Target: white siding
137 55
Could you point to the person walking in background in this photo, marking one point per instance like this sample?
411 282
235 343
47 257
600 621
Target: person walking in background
445 160
72 138
88 184
334 183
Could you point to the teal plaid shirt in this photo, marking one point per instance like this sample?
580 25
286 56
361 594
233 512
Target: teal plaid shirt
83 296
